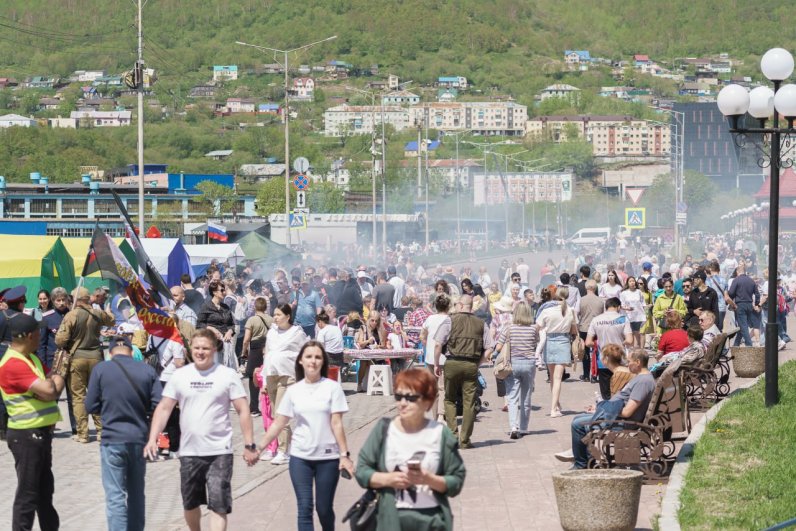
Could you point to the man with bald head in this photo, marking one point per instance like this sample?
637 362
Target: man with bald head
181 311
466 342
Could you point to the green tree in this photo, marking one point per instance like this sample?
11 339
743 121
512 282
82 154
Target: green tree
215 198
325 198
271 196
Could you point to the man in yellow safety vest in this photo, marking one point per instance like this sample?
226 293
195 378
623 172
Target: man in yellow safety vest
30 395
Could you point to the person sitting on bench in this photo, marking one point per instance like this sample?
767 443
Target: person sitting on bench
630 403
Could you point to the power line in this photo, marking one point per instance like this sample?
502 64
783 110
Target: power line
42 32
61 50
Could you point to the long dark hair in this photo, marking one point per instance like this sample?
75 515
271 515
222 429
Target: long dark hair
300 367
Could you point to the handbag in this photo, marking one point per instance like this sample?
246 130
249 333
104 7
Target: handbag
662 320
362 516
578 348
503 361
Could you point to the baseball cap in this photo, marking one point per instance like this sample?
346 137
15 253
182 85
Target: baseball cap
119 341
646 265
81 293
22 324
700 275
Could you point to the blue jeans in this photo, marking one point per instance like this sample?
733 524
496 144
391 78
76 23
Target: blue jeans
579 431
519 386
745 316
325 474
123 471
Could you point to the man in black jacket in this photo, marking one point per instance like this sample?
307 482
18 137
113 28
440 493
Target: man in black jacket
348 295
746 296
703 297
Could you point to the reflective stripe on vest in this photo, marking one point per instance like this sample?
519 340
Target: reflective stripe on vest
25 411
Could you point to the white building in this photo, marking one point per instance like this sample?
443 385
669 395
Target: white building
523 187
485 118
88 76
560 90
236 105
361 119
401 97
12 120
102 118
303 89
225 73
63 123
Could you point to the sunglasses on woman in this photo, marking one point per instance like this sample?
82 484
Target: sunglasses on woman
408 398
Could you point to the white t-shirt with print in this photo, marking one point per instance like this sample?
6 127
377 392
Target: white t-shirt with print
311 405
204 398
401 447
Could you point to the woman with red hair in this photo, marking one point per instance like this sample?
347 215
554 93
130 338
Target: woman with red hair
412 461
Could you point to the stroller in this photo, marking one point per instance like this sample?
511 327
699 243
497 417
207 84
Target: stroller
479 391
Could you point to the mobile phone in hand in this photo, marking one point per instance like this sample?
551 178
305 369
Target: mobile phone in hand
345 474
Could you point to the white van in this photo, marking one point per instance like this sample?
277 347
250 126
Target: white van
591 236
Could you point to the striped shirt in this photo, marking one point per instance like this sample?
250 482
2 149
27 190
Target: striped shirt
523 340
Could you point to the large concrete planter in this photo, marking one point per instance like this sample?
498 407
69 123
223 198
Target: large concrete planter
611 497
749 362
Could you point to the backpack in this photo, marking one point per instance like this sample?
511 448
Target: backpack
152 354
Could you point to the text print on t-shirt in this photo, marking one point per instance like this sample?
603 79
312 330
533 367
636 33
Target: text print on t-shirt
201 386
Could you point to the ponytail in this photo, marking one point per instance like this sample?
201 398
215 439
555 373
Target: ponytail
563 307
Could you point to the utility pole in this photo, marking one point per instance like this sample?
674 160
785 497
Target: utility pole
383 185
139 75
286 115
426 141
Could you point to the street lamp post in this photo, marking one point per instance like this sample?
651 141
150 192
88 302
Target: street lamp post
286 115
761 103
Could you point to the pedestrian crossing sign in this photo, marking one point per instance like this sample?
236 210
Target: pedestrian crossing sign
298 221
635 218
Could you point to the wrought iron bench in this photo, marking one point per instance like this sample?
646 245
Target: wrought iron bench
707 380
646 445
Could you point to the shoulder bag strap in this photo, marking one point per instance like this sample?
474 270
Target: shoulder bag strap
673 299
137 389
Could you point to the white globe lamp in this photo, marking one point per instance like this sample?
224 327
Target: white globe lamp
777 64
733 100
761 102
785 100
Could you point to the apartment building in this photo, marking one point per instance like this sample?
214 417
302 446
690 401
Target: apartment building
485 118
608 135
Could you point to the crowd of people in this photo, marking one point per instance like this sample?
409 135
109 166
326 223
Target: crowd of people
262 343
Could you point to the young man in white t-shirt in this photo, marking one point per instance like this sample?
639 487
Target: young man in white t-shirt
204 391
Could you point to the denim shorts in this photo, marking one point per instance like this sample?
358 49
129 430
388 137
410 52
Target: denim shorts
207 480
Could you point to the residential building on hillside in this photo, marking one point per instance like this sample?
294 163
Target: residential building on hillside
485 118
225 73
401 97
640 60
203 91
49 104
608 135
345 119
111 81
102 118
447 95
8 82
219 154
410 149
261 172
560 90
268 108
15 120
238 105
576 57
303 89
392 82
84 76
63 123
457 82
41 82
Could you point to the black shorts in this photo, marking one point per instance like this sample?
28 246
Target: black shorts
636 326
207 480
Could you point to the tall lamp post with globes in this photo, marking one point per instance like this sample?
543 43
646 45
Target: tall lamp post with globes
763 103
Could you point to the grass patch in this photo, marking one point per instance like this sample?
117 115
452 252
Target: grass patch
743 471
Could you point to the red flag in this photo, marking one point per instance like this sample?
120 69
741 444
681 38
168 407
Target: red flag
153 232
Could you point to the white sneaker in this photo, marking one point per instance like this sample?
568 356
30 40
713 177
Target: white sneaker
781 345
566 456
267 456
280 459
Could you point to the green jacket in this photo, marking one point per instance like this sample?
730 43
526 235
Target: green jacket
663 303
371 460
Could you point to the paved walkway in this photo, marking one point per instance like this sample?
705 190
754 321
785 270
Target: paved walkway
508 483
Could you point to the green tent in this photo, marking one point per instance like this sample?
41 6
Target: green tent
36 262
258 248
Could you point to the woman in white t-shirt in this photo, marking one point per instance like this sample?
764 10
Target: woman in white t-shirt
632 300
612 287
331 337
442 304
318 450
